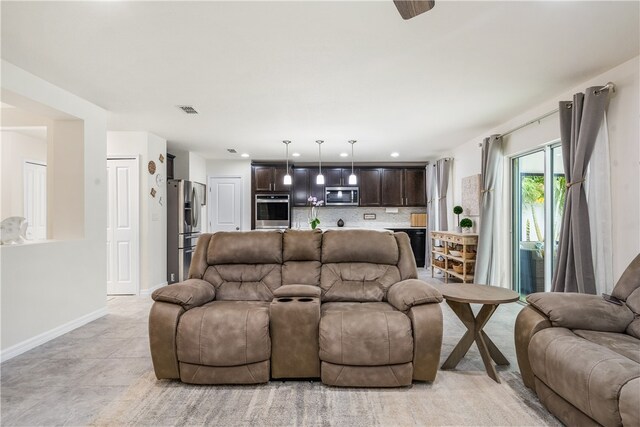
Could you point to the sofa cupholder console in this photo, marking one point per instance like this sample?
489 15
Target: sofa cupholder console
294 332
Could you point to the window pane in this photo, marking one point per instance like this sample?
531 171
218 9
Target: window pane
558 197
529 226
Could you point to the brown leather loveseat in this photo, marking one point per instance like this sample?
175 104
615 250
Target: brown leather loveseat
344 305
581 354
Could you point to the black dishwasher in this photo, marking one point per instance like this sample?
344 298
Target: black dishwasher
418 239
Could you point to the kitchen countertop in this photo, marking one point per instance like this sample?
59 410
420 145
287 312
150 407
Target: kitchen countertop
369 227
406 228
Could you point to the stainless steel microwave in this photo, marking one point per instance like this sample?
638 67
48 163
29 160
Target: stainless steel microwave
342 196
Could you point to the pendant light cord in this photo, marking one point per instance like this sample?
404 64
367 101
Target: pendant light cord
287 154
352 142
319 142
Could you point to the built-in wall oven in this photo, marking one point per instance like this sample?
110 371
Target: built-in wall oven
272 211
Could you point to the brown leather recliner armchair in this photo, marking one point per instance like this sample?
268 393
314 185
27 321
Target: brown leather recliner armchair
251 309
581 354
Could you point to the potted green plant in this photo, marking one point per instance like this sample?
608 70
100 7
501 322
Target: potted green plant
466 225
457 210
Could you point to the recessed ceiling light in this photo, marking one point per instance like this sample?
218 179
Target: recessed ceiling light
394 154
244 155
296 154
343 154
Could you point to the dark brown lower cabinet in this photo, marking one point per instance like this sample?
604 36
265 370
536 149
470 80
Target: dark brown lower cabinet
418 239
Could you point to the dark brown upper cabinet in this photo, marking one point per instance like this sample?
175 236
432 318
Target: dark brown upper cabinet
269 179
304 186
170 166
337 177
403 187
386 186
392 187
370 187
414 187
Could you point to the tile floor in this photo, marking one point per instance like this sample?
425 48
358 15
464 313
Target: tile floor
67 381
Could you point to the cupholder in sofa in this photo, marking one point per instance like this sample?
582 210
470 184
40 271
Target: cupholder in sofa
285 299
305 299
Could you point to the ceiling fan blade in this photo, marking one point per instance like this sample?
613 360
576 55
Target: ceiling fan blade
410 8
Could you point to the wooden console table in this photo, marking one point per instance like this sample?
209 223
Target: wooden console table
469 242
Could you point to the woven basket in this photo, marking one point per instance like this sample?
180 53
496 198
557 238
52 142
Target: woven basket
468 255
438 263
458 268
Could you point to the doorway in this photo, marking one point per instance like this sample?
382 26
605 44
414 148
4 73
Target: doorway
539 189
35 199
225 203
123 227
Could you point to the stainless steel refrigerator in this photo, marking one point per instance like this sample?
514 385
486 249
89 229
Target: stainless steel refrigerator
185 200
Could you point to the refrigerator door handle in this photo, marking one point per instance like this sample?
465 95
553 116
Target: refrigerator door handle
195 206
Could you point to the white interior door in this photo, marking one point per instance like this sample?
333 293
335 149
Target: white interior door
35 200
225 203
123 255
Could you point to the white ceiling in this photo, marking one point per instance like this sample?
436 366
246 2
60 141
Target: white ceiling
260 72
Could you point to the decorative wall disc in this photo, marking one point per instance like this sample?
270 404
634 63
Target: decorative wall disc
152 167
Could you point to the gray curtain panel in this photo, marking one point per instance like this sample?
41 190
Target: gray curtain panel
431 207
490 204
579 124
443 166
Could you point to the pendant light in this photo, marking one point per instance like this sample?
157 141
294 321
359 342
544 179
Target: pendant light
353 180
287 177
320 177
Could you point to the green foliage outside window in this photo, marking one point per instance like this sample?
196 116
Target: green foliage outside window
533 195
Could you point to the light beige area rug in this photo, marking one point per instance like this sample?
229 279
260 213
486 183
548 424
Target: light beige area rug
454 399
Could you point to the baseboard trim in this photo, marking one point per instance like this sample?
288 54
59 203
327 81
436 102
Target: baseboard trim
147 292
42 338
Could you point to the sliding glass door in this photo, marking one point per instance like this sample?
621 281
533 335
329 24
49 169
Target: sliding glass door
539 187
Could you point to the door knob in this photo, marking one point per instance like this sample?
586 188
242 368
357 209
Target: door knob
237 228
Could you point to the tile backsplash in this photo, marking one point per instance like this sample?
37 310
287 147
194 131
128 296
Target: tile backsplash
354 217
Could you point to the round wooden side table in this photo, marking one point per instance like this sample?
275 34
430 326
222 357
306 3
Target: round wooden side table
459 297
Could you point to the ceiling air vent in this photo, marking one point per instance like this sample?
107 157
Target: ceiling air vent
188 109
232 150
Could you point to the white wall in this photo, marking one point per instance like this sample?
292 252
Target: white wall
50 288
15 149
65 179
180 163
197 168
155 262
153 215
241 168
623 119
